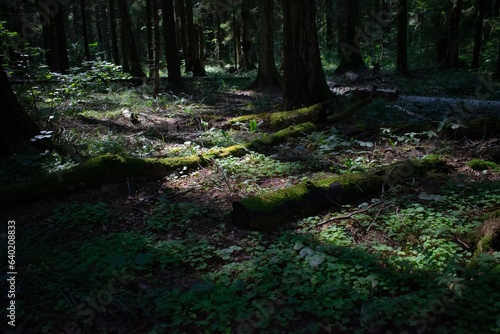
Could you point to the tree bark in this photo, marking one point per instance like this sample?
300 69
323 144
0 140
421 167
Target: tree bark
194 46
350 51
304 82
246 44
220 17
479 33
402 37
329 24
149 38
85 30
17 128
105 33
128 41
114 35
156 53
180 12
267 75
171 50
54 37
453 44
270 210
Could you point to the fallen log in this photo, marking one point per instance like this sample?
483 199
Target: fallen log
113 168
270 210
282 119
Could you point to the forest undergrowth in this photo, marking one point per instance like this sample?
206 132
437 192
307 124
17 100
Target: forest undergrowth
162 256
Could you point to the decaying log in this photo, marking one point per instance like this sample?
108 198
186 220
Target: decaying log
113 168
270 210
282 119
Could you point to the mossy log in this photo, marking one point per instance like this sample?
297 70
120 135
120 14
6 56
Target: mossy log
282 119
270 210
113 168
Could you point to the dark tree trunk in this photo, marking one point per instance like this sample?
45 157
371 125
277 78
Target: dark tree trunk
238 57
149 37
180 12
329 24
194 45
171 50
496 74
402 55
350 52
246 44
62 46
220 17
16 128
128 41
496 13
105 33
54 37
114 34
49 44
268 75
479 34
156 53
451 58
304 82
85 30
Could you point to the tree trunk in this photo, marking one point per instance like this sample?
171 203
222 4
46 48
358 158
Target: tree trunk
85 30
171 50
54 37
246 44
304 82
220 17
114 35
149 38
496 13
329 24
194 47
128 41
496 74
350 51
236 39
105 33
180 12
479 34
452 50
268 75
156 53
16 129
270 210
402 56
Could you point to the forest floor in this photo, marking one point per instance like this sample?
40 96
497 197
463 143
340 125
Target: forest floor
162 256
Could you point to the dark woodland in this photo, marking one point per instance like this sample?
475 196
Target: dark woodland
250 166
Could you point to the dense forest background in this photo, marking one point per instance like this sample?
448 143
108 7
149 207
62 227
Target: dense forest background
63 35
250 166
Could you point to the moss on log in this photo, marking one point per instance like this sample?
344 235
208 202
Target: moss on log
113 168
285 118
270 210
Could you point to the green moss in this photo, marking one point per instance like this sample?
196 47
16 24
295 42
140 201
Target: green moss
280 136
282 116
478 164
488 236
432 158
